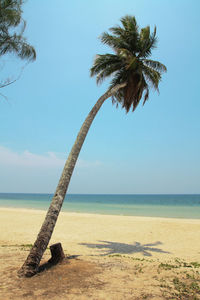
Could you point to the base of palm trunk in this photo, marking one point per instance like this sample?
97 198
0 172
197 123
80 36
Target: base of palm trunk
27 270
31 268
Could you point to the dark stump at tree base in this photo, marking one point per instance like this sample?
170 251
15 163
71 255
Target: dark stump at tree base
57 253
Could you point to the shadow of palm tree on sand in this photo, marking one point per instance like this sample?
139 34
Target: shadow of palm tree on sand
122 248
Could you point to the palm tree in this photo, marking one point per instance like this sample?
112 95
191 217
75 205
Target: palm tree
132 73
13 41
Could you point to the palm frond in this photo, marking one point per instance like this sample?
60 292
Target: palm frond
126 37
152 76
110 70
118 31
101 62
119 77
145 34
146 96
113 41
129 23
147 42
156 65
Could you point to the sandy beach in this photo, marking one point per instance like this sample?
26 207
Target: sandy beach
116 257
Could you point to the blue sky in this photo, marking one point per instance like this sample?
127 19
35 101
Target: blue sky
153 150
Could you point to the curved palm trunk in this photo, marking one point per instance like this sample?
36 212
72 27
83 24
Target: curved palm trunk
30 266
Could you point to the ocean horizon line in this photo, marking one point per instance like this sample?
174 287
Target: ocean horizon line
112 194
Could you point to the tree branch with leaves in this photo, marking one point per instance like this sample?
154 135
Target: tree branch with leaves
12 41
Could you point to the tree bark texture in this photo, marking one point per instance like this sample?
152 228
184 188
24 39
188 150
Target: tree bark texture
57 253
31 265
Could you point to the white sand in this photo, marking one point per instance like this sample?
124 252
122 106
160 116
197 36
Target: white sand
93 234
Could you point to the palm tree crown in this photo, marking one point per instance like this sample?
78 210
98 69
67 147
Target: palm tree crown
129 64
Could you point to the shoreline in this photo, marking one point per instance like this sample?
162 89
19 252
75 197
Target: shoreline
158 206
24 209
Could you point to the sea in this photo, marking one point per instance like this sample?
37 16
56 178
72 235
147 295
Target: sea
167 206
